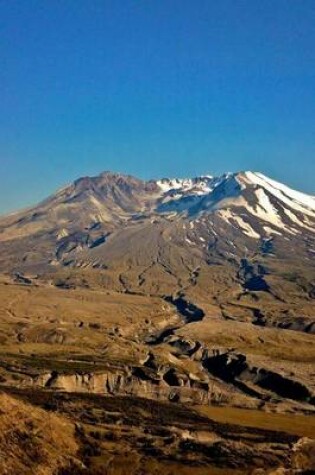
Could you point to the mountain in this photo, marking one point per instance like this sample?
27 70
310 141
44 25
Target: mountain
198 290
241 231
112 216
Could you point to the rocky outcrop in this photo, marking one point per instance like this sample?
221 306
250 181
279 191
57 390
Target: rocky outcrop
222 375
234 369
162 383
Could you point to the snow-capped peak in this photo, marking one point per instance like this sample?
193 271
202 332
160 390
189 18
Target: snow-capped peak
247 195
200 185
295 199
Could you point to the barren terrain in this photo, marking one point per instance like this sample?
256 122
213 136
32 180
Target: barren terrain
148 330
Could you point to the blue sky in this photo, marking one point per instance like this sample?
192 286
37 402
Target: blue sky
154 88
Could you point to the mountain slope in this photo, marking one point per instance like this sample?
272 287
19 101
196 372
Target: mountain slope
95 220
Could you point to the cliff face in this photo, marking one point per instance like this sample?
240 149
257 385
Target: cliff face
133 382
221 376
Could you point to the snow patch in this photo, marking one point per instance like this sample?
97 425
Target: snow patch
62 234
245 227
296 220
294 199
269 230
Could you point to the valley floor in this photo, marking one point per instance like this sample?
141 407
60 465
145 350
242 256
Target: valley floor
104 382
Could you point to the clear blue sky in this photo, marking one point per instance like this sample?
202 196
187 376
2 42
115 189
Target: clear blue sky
154 88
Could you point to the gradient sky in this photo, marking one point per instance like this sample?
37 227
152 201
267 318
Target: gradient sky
154 88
